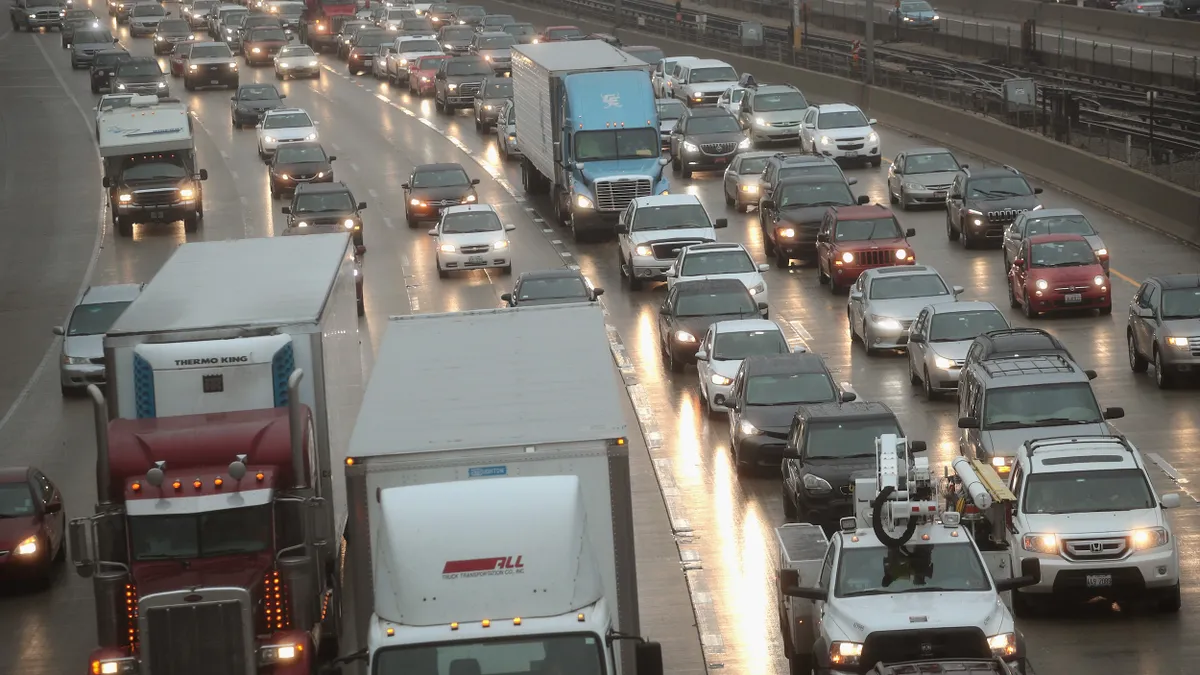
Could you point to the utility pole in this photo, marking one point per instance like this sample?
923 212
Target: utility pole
795 25
869 38
1150 96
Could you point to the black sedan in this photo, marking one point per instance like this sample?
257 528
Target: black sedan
691 307
32 526
432 187
104 66
766 393
325 204
170 33
791 218
551 287
251 101
297 163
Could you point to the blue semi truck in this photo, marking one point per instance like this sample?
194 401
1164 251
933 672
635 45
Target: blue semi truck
587 126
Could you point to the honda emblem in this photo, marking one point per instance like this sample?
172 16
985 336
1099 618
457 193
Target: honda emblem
1097 547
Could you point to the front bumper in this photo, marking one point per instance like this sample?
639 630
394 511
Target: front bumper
157 213
264 55
824 510
943 380
844 274
289 184
488 113
510 146
802 246
80 375
759 449
474 261
684 352
713 390
1181 359
649 268
771 134
456 101
428 211
1055 301
299 71
888 338
83 59
1130 577
698 160
924 197
21 567
863 152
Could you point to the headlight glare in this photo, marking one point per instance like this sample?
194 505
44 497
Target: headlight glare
744 144
942 363
901 254
126 198
684 336
1041 284
500 245
348 224
446 248
28 546
720 380
471 198
1177 341
847 257
187 193
583 202
747 429
1004 644
643 250
845 653
1102 252
1152 537
1098 280
786 233
689 146
1040 543
825 141
873 137
885 323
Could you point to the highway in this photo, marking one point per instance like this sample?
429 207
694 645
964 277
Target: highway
50 196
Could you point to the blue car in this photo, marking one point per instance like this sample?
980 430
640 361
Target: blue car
915 14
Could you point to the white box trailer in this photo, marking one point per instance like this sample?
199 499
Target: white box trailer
473 398
222 326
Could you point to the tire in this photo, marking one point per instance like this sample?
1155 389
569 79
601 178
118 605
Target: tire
903 201
123 226
892 197
781 261
1137 362
686 173
927 387
1164 378
877 162
274 193
413 223
95 89
187 84
673 364
823 278
635 284
1106 311
191 224
729 201
1022 607
913 379
442 274
1170 601
800 664
951 233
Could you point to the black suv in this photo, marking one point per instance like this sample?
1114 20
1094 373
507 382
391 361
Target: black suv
433 187
982 203
322 205
1014 342
706 139
784 165
793 215
828 447
104 66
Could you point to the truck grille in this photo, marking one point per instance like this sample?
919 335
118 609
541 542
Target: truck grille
469 88
1096 549
705 99
669 250
156 197
718 148
1004 215
195 639
614 195
46 14
935 643
875 257
141 87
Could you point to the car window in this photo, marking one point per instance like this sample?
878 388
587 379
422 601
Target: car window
138 68
435 178
287 121
752 165
94 319
472 221
930 163
16 500
717 262
552 287
670 217
1107 490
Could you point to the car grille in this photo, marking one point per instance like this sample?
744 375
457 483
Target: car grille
850 144
482 248
669 250
613 195
304 176
719 148
216 67
875 257
1004 215
141 87
442 203
175 636
156 197
1095 549
469 88
1072 289
783 125
939 187
705 99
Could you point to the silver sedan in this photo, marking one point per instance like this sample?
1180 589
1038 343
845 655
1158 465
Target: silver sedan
921 177
939 339
743 179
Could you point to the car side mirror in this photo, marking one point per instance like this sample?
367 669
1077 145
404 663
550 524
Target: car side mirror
433 232
507 297
1031 575
509 228
855 295
916 337
701 355
968 423
917 446
106 182
764 268
851 181
863 199
958 290
762 307
1114 413
964 166
873 122
810 126
910 232
664 311
1170 501
1019 262
768 203
1091 374
58 330
597 292
1037 191
721 222
823 238
621 229
847 396
333 158
362 206
404 186
474 181
287 210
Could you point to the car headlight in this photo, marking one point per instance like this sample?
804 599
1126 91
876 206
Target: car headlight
126 198
268 139
872 137
158 38
583 202
942 363
187 193
1102 252
1152 537
760 288
750 189
415 202
720 380
689 146
312 64
1041 284
885 323
902 254
487 107
643 250
448 46
744 144
1177 341
1004 644
162 85
760 121
847 257
825 141
845 653
1002 464
913 186
470 199
311 137
33 16
502 244
302 224
27 547
487 58
320 174
404 62
1098 280
233 66
121 86
816 484
256 50
785 233
446 248
75 360
452 86
283 65
1040 543
348 224
424 79
684 336
747 429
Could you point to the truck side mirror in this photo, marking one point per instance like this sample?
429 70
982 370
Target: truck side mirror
851 181
1170 501
106 182
910 232
78 531
597 292
287 210
823 238
788 579
1114 413
916 337
203 174
1031 574
968 423
333 158
864 199
768 204
647 657
1091 374
917 446
762 307
847 397
1037 191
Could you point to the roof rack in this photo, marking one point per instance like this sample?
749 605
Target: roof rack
1016 331
1028 365
1033 446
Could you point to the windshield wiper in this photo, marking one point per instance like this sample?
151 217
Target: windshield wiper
861 455
874 591
1060 421
1072 263
163 556
1011 424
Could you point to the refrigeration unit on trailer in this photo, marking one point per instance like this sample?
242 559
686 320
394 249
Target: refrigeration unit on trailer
424 422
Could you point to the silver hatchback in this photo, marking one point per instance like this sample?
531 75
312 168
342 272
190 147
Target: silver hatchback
82 356
939 339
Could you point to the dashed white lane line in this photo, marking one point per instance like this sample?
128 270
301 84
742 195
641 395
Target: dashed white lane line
233 175
1180 481
388 221
372 192
224 155
353 167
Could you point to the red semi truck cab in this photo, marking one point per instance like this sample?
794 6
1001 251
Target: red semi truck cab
319 27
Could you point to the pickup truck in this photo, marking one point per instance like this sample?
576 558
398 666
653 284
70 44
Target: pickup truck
33 14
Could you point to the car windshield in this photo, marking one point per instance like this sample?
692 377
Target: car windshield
935 162
520 29
138 68
593 146
1181 303
717 124
961 326
831 193
822 169
458 33
430 62
866 230
736 346
498 42
670 110
575 653
1042 405
287 121
16 500
475 221
880 570
290 8
670 217
149 9
717 262
647 54
842 119
998 187
398 14
547 288
152 167
501 89
915 7
498 20
258 93
716 303
563 33
297 50
718 74
212 51
201 535
1059 225
789 100
371 39
93 37
415 46
471 12
468 67
833 439
436 178
908 286
789 389
203 5
290 154
1061 254
174 26
1096 491
106 60
234 17
94 319
752 166
236 20
325 202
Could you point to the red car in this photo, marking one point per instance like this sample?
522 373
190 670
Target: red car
179 58
1054 272
853 239
421 73
260 45
32 525
559 34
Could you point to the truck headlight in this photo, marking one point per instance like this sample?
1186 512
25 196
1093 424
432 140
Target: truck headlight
121 87
643 250
187 193
744 144
33 16
1004 644
278 654
348 224
785 233
847 257
1148 538
123 666
685 337
27 547
1041 284
720 380
750 189
816 484
1177 341
942 363
452 86
1002 464
446 248
747 429
126 198
689 146
162 85
583 202
1040 543
845 653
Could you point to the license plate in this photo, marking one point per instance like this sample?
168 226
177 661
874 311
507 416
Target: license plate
475 260
367 62
1074 297
852 154
940 193
1099 580
156 215
720 160
214 81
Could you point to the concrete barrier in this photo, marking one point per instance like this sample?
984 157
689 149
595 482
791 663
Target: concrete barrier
1145 198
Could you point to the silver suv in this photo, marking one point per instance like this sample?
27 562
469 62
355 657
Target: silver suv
771 113
1164 327
82 357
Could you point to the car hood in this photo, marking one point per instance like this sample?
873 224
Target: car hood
94 46
872 244
839 470
780 116
459 79
839 134
259 106
619 167
747 279
770 418
451 192
709 87
494 102
304 167
1082 275
723 137
174 34
291 59
1006 442
1098 523
1181 327
698 325
688 234
266 43
989 205
289 134
146 19
905 308
15 530
137 79
323 218
84 346
935 178
458 42
803 215
242 571
727 368
955 351
473 238
917 611
496 53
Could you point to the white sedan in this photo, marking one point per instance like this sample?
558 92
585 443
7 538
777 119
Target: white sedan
720 261
471 237
724 347
297 61
283 125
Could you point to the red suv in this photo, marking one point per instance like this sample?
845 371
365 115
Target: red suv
853 239
1054 272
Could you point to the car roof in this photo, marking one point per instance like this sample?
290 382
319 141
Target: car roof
802 158
1079 453
699 286
442 166
861 212
304 144
469 208
14 474
928 150
708 63
844 410
285 111
492 33
1019 340
556 273
838 107
709 112
715 246
745 326
96 295
796 180
666 200
754 154
1054 213
322 187
901 271
1017 371
769 87
1178 281
1054 238
992 172
960 307
783 364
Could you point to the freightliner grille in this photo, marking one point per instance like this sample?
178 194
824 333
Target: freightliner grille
614 195
195 639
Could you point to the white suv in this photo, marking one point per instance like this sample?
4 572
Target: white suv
840 131
653 230
701 82
1087 511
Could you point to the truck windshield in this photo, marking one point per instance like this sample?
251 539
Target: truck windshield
1088 492
211 51
1053 405
95 319
201 535
842 439
593 146
922 568
580 654
153 167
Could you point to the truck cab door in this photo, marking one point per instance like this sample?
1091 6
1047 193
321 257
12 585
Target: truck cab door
825 582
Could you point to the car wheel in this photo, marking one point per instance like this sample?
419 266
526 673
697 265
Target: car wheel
673 364
866 340
686 172
877 162
191 224
912 374
927 387
124 226
903 199
781 260
850 325
1169 602
729 201
1137 362
1106 311
951 233
1029 313
1162 377
442 274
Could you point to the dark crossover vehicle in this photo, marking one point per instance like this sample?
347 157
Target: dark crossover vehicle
783 165
470 15
766 392
86 43
457 80
363 49
981 204
77 19
791 219
33 526
210 64
140 75
433 187
525 33
456 40
706 139
104 64
170 33
830 445
251 101
551 287
260 45
691 307
489 99
298 163
327 204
